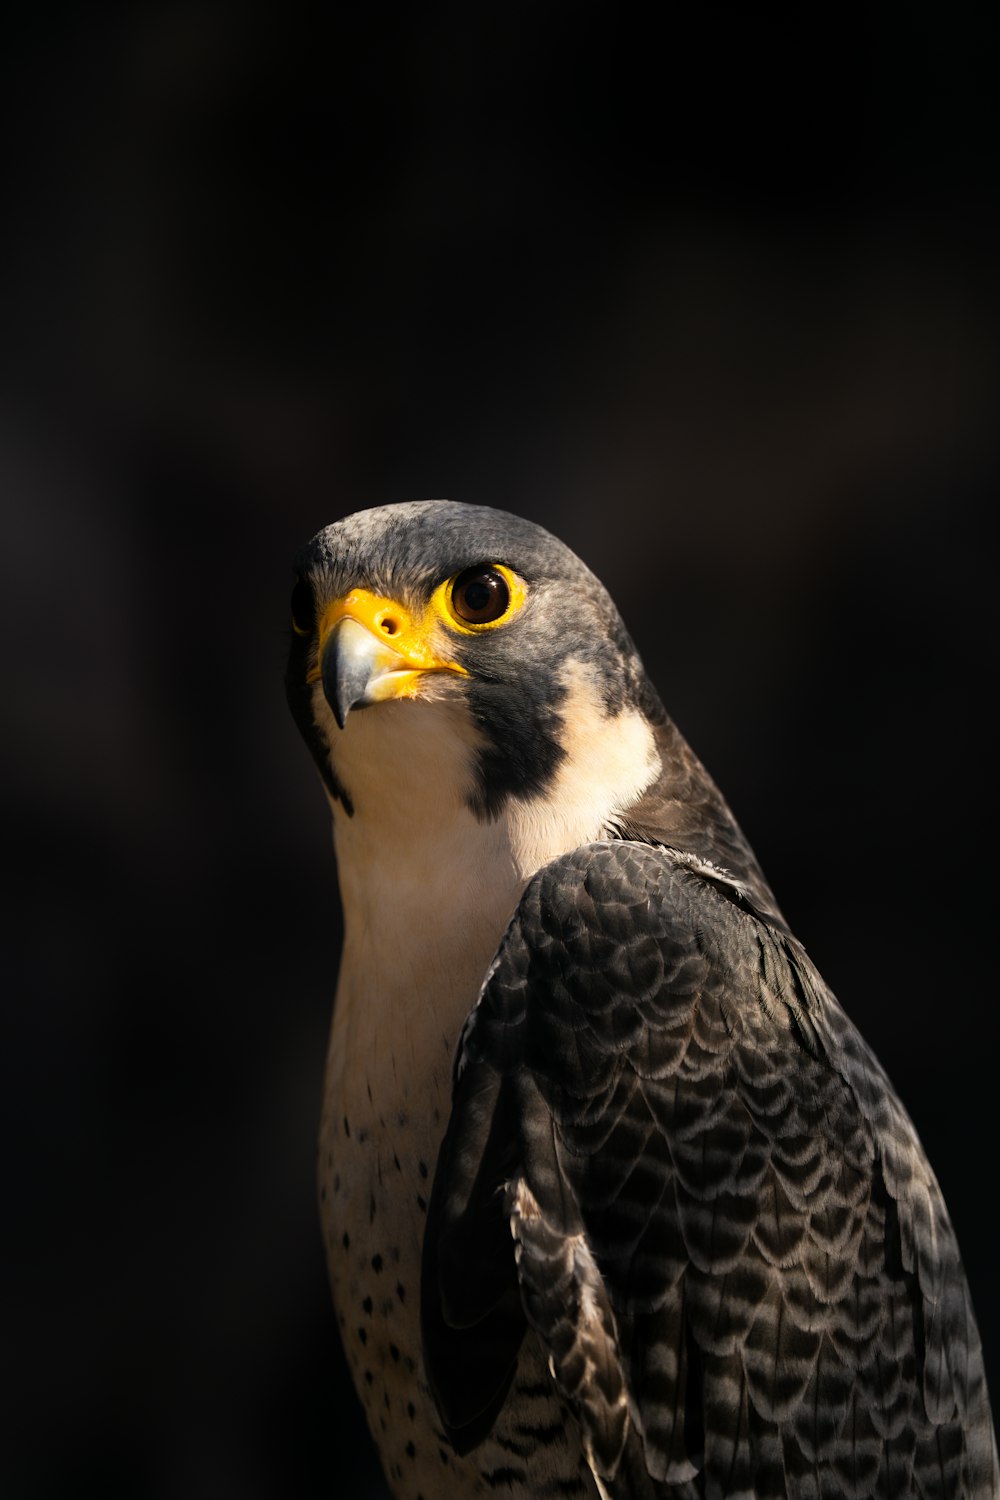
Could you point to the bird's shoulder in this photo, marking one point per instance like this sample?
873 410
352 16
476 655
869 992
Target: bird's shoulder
636 943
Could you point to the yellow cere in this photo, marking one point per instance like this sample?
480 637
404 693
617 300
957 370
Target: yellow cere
402 635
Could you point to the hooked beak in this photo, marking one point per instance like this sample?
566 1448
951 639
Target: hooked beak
355 666
358 665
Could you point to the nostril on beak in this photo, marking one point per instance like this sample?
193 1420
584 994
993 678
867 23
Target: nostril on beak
388 624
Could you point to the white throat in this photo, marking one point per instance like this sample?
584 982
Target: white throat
427 888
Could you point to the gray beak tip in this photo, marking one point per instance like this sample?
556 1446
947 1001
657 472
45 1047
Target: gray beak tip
345 670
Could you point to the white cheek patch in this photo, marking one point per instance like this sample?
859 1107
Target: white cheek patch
610 760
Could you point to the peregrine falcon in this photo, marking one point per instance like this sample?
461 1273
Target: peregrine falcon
616 1200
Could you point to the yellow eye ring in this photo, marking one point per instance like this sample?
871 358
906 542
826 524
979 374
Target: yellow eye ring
479 598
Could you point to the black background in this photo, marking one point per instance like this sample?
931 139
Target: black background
717 303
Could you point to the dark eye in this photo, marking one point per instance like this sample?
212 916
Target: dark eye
303 608
480 595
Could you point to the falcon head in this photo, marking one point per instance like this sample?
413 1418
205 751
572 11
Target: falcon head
452 660
483 617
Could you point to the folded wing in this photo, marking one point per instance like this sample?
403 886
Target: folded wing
675 1161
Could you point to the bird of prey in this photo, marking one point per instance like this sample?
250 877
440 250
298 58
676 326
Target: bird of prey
616 1200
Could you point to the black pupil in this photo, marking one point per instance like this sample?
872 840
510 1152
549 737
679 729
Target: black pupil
481 595
478 595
